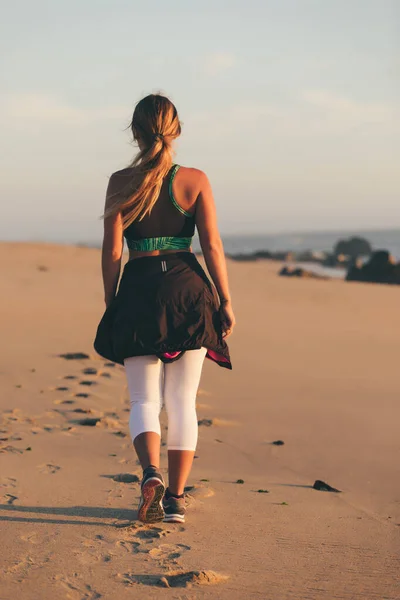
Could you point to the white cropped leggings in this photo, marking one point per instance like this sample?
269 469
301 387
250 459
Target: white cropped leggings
150 382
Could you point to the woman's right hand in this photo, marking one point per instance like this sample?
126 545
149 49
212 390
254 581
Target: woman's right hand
228 320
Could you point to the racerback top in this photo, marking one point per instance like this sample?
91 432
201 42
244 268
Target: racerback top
167 227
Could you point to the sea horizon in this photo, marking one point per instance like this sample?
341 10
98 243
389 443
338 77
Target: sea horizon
291 241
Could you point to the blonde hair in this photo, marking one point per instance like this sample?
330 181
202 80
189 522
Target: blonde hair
155 124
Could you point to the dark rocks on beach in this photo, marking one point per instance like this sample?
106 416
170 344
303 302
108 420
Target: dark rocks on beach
261 254
299 272
380 268
324 487
87 382
239 481
278 443
353 248
74 355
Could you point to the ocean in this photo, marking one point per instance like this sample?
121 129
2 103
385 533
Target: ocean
388 239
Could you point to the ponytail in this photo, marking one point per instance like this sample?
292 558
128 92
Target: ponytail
155 124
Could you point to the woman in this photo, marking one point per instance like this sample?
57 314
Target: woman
167 316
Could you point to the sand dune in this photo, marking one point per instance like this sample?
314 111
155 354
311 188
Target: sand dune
315 366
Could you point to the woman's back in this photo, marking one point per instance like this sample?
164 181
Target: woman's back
171 223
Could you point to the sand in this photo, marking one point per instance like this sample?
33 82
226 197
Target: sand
315 365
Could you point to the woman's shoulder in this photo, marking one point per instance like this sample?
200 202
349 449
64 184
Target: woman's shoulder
191 171
192 176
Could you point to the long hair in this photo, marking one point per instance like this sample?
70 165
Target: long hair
155 124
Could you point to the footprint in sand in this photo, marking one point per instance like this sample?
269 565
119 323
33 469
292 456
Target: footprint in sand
94 551
168 552
10 449
10 499
198 492
129 546
121 434
123 478
64 402
88 382
76 588
8 482
180 579
143 532
88 422
44 428
82 395
217 423
33 537
20 569
48 469
61 388
70 377
74 355
90 371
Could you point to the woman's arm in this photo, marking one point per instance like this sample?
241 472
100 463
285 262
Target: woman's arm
213 250
113 244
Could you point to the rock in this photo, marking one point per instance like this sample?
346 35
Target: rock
324 487
381 268
240 481
278 443
289 271
353 248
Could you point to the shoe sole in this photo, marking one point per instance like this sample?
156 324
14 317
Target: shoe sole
151 509
176 518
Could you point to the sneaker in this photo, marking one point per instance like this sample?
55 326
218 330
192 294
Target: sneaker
152 491
174 509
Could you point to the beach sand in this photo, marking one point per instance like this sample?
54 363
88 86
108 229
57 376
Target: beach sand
315 365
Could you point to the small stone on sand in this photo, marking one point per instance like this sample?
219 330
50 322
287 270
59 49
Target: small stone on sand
324 487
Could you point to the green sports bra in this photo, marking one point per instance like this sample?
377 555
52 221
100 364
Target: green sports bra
168 227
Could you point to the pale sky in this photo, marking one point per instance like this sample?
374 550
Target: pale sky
291 107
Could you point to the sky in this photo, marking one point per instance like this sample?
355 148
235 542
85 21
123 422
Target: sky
291 107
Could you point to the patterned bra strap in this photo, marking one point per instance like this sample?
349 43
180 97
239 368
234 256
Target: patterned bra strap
160 243
171 194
